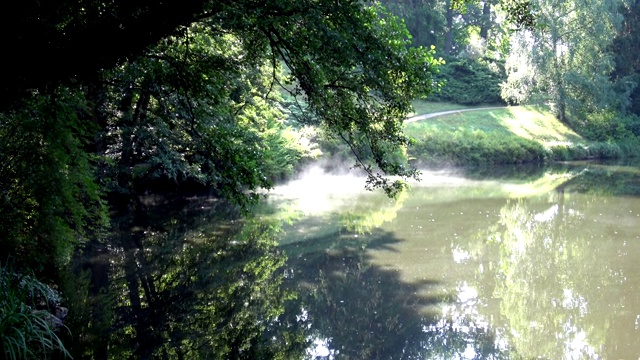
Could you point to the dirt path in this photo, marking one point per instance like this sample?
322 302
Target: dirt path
431 115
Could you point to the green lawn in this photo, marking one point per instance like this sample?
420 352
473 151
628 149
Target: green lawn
507 135
427 107
527 122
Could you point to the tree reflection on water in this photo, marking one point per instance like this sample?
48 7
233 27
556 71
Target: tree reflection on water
354 310
188 281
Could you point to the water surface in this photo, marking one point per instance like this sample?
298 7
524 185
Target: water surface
509 263
540 267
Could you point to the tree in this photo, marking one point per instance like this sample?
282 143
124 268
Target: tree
189 98
568 51
627 59
424 19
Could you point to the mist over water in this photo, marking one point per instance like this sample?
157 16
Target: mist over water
316 191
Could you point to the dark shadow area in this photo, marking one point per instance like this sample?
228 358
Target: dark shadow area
190 278
182 278
360 311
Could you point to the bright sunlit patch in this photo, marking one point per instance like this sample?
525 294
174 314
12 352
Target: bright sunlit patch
543 185
576 344
469 352
466 293
319 349
548 215
460 255
316 192
542 126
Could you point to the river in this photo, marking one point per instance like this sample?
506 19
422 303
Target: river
509 263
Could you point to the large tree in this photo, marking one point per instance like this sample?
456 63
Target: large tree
627 54
565 53
185 93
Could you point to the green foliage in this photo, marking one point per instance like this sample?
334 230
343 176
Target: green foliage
475 147
26 330
49 199
470 82
424 20
567 152
520 13
189 111
358 83
603 126
564 54
609 126
626 56
605 151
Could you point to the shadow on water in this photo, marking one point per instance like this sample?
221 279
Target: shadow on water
612 178
183 279
189 278
355 310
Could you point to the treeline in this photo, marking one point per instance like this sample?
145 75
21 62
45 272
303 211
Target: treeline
180 97
470 40
578 57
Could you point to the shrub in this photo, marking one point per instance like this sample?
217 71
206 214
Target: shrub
632 124
26 331
567 152
604 150
605 126
469 82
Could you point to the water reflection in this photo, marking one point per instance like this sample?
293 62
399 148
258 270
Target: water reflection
355 310
566 270
186 280
541 266
545 266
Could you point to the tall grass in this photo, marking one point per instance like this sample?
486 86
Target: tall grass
26 332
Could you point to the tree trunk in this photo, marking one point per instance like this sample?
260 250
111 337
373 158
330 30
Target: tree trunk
485 24
448 36
560 95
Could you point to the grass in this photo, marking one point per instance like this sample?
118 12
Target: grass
426 107
25 332
531 123
496 136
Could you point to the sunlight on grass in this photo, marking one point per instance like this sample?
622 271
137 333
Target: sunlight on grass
543 185
504 135
533 124
426 107
484 120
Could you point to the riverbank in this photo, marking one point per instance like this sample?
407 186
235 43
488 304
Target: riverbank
507 135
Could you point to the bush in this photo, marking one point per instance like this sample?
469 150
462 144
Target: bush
568 152
605 126
632 124
605 151
466 147
26 330
469 82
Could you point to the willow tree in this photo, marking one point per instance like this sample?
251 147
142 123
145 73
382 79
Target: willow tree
564 52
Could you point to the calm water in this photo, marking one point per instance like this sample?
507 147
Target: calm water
544 267
512 264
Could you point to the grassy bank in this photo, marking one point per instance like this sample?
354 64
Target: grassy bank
508 135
